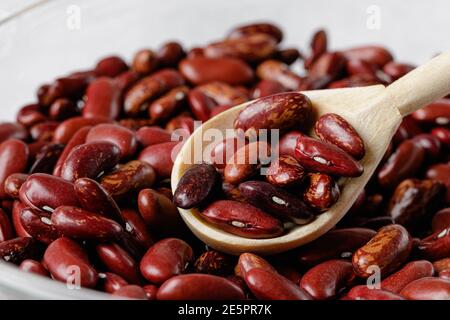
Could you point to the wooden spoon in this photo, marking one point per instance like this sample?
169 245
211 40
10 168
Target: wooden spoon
375 112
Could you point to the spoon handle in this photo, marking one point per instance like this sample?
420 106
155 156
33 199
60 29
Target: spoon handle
421 86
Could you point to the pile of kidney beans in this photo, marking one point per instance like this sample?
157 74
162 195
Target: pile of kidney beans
86 172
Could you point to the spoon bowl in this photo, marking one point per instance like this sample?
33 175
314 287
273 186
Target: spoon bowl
375 112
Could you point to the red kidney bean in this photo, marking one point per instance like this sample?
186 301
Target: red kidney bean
285 171
288 56
256 28
13 159
334 129
360 80
219 93
277 71
242 219
397 70
30 115
441 220
135 226
112 282
110 67
214 262
150 291
316 155
281 111
131 292
134 175
18 249
78 138
144 61
340 243
322 192
46 192
445 274
46 158
435 246
276 201
408 128
371 54
402 164
125 80
89 160
288 142
250 48
38 225
169 104
387 250
192 287
413 199
10 130
161 157
443 135
196 185
78 223
43 131
358 67
441 173
326 68
6 230
67 129
201 104
151 87
411 271
224 150
436 113
15 217
266 88
427 289
93 197
71 86
363 292
33 266
430 144
250 261
199 70
268 285
62 109
166 259
327 279
170 54
65 260
182 122
118 261
148 136
319 44
102 99
122 137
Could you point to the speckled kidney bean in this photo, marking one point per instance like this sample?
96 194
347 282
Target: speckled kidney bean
326 69
196 186
413 199
13 159
277 71
46 158
170 53
133 175
93 197
441 265
192 287
250 48
427 289
372 54
81 224
276 201
135 226
66 130
285 172
266 88
319 156
214 262
62 258
33 266
102 99
18 249
334 129
340 243
38 225
248 261
169 104
319 45
111 282
327 279
288 142
161 157
78 138
6 230
199 70
411 271
242 219
165 259
387 250
118 261
358 67
321 192
436 246
46 192
443 134
110 67
245 161
10 130
89 160
441 220
402 164
122 137
440 172
148 136
282 111
256 28
149 88
63 109
144 61
436 113
363 292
